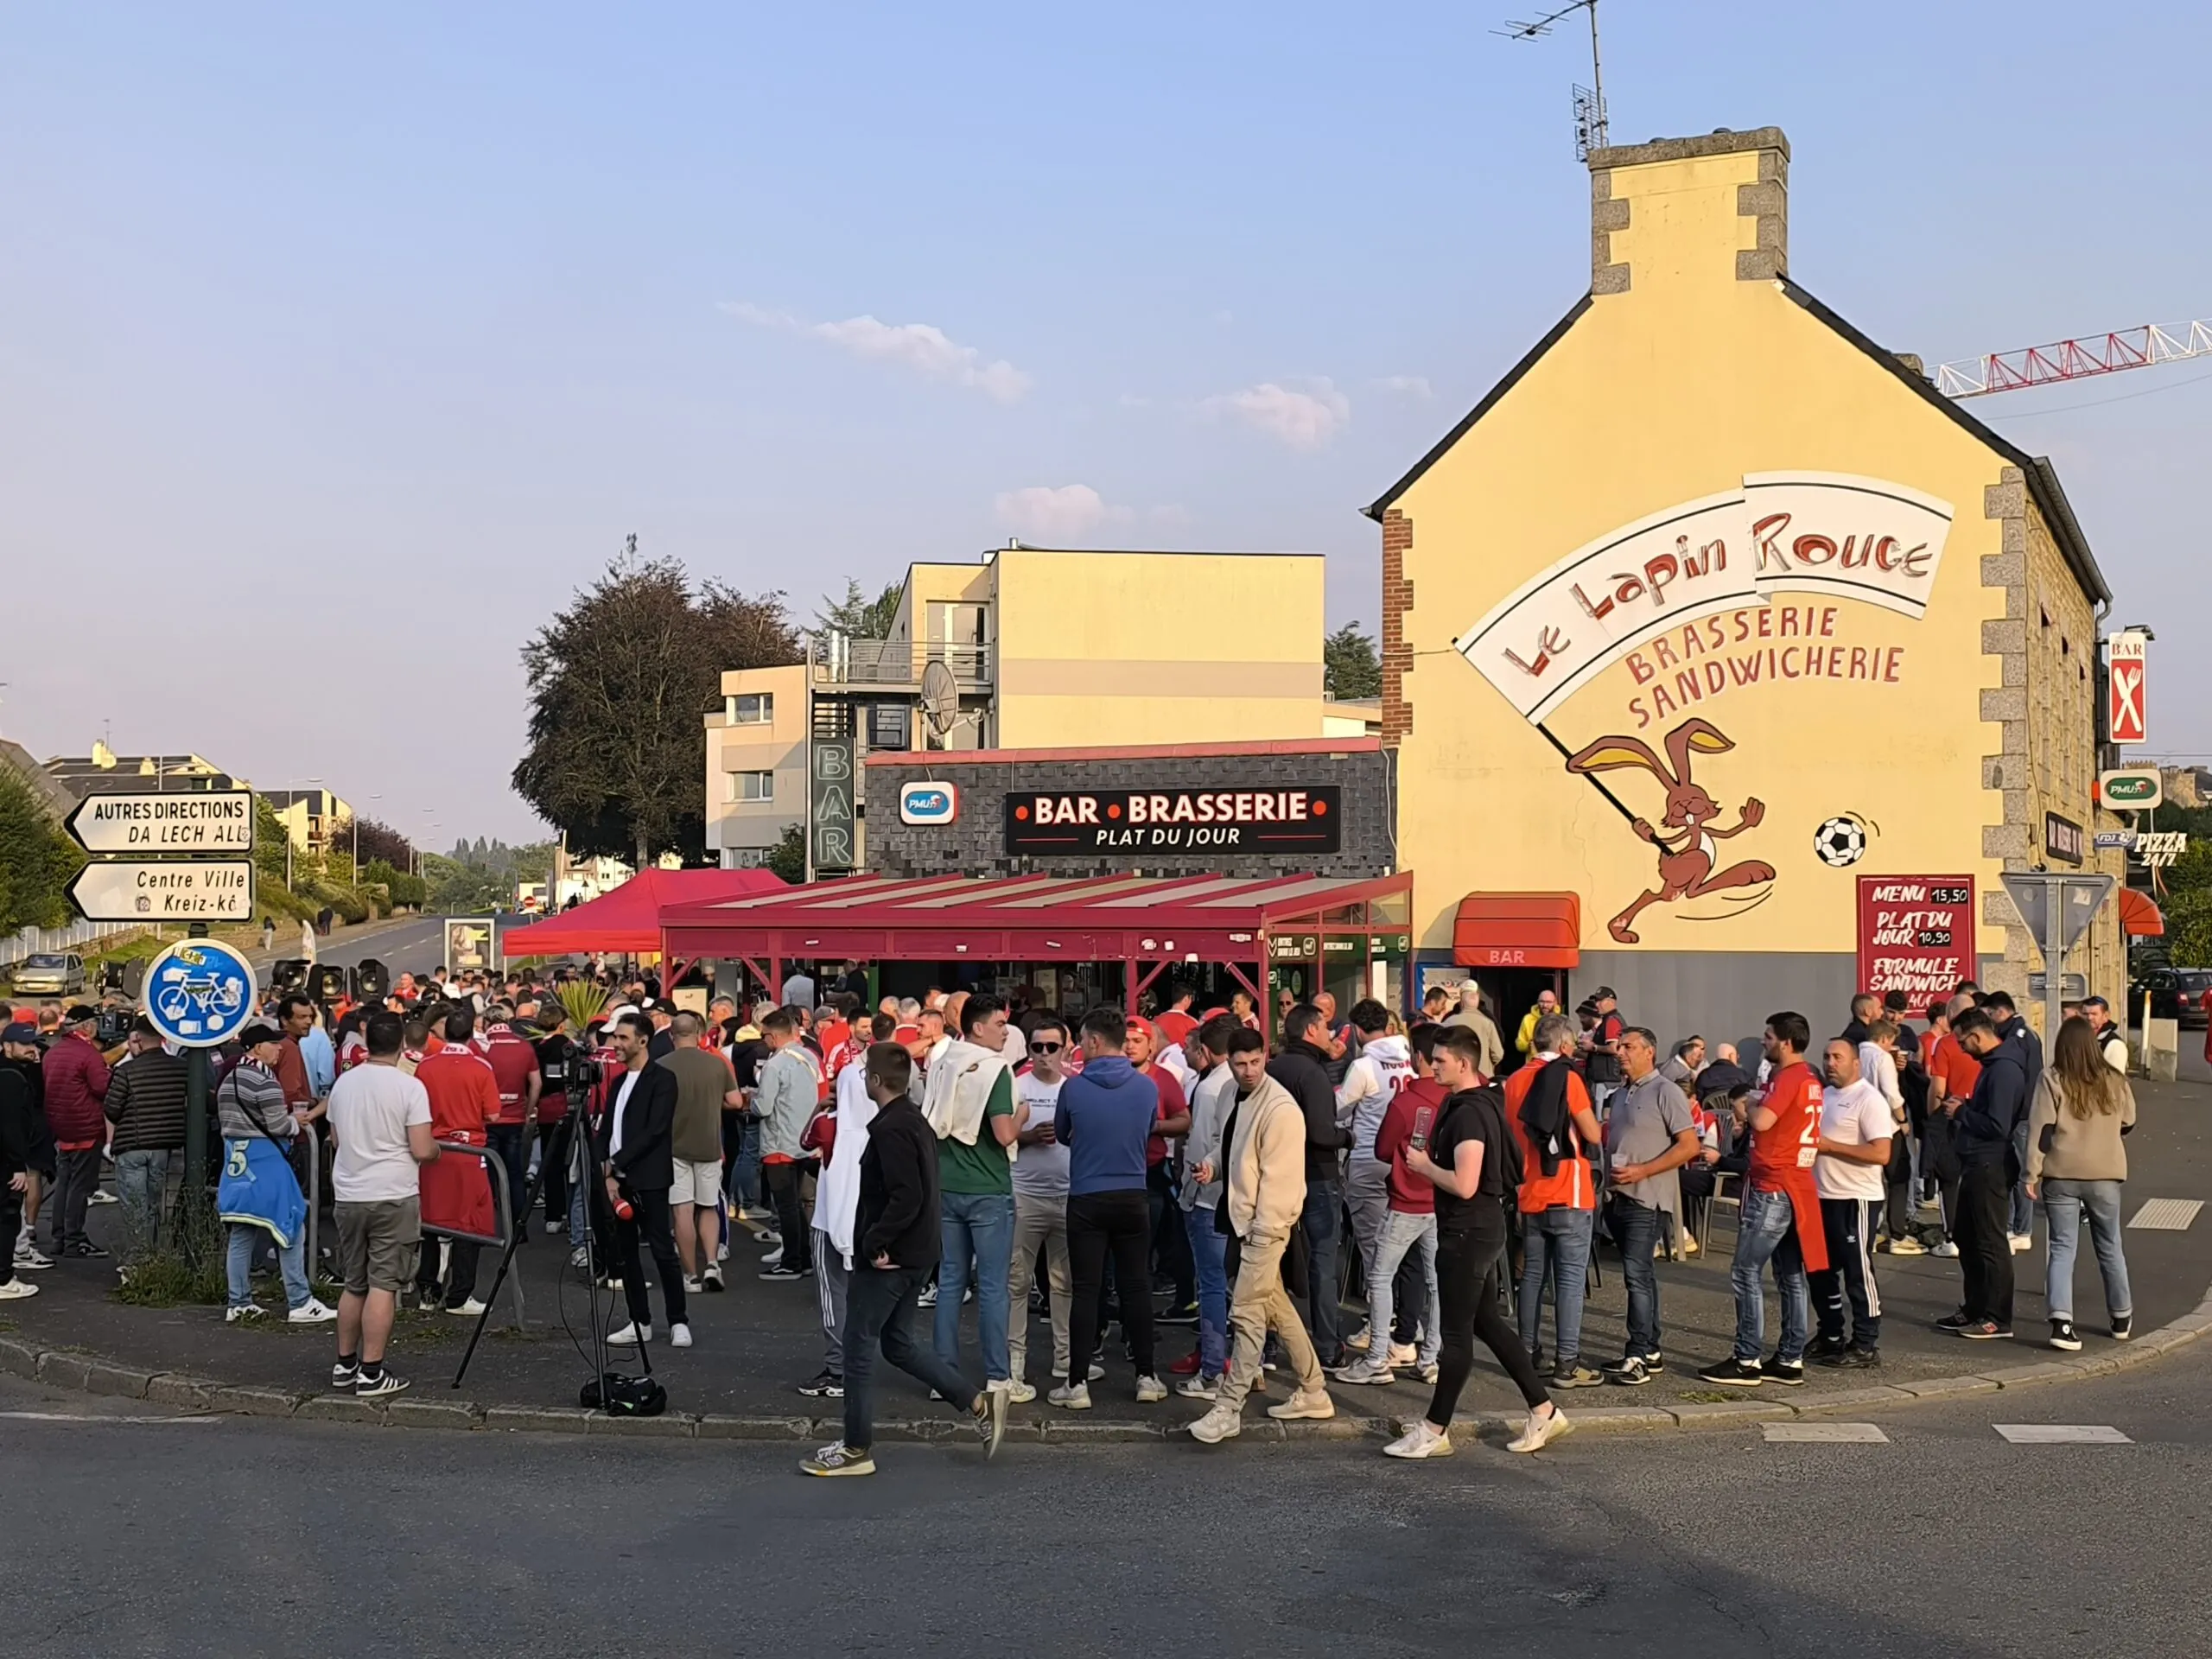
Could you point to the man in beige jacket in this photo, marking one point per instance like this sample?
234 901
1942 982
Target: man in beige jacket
1265 1171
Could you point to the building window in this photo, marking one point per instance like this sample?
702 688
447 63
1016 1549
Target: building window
887 726
751 786
753 708
744 858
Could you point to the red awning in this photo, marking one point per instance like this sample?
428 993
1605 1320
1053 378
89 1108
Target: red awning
1028 919
2138 915
1518 930
628 919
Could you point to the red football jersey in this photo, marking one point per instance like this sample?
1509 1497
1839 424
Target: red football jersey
1778 1153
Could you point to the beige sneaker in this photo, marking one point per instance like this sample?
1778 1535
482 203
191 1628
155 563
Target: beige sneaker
1419 1441
1218 1425
1305 1403
1020 1393
1540 1431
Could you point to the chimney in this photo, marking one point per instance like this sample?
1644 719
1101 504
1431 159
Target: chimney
1690 210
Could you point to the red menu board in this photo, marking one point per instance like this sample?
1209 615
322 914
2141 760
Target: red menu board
1915 935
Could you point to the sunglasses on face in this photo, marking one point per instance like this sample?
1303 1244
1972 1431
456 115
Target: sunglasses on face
1046 1048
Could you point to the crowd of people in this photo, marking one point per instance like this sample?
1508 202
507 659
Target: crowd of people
946 1152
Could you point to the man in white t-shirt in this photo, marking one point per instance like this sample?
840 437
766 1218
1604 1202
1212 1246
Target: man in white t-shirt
379 1117
1040 1205
1857 1123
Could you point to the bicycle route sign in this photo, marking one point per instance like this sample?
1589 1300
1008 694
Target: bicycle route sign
198 993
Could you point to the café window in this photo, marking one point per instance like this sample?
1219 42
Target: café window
751 708
751 786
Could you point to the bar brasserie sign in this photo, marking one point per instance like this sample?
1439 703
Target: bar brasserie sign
1045 821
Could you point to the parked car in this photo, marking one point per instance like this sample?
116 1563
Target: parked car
2182 994
47 973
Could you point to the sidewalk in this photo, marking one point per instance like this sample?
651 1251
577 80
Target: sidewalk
757 1342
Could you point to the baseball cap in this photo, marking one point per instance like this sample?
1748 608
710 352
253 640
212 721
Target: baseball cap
258 1031
80 1014
21 1032
1604 993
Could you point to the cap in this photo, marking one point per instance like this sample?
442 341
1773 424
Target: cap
1138 1022
1603 994
21 1032
80 1014
258 1031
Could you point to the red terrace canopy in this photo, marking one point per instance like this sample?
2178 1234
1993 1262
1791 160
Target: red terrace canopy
628 919
1518 930
2139 916
1027 919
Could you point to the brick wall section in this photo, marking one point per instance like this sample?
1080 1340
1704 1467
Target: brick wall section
1767 201
1397 657
2005 705
1608 214
974 844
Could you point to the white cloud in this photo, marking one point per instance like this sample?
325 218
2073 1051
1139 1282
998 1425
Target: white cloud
1305 417
1413 385
1057 513
921 347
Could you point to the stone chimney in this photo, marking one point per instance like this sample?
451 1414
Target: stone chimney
1690 210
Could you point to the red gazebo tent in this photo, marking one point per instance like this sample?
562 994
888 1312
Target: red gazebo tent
627 920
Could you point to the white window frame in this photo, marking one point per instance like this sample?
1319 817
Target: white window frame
735 794
763 703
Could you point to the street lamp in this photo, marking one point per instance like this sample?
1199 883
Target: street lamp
357 838
291 789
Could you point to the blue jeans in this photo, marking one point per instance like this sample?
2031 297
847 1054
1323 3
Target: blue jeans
1635 1229
1402 1234
510 1143
2063 1204
1769 1233
141 1182
1557 1240
1323 1219
977 1226
291 1261
1209 1249
2023 1219
744 1175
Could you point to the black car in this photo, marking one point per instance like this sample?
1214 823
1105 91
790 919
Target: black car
2176 993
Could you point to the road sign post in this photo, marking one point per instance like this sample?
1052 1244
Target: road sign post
198 993
2057 910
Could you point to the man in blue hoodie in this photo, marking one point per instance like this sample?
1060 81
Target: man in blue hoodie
1983 1135
2019 1036
1103 1117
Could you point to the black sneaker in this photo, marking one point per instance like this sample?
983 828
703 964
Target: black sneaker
1187 1313
1953 1323
823 1386
375 1387
1983 1331
88 1251
1629 1373
2064 1337
1745 1372
1653 1362
1856 1359
1825 1348
343 1377
1789 1372
1575 1375
2123 1326
779 1272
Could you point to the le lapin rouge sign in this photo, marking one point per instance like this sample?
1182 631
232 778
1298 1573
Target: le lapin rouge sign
1043 822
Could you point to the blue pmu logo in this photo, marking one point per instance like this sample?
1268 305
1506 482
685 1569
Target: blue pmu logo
927 803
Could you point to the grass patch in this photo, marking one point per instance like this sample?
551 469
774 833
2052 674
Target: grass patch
1714 1396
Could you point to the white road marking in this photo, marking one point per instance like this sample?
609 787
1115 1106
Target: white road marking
2062 1434
1826 1433
2167 1215
94 1417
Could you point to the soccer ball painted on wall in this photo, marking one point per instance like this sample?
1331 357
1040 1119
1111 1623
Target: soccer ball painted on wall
1840 841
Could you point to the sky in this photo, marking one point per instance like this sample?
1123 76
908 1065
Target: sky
338 346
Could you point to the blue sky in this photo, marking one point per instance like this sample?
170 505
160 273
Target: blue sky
338 349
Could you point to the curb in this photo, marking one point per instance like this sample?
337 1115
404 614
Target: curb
75 1369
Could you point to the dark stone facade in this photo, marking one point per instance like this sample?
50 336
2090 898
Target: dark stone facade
975 843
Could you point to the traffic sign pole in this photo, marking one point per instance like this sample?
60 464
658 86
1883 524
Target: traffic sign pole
195 1108
2054 972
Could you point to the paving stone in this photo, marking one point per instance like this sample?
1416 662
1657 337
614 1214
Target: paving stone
176 1389
433 1413
568 1420
932 1429
1942 1388
669 1426
18 1357
1695 1414
713 1426
1608 1419
2022 1376
256 1403
1855 1399
340 1408
121 1381
1342 1427
1079 1431
63 1370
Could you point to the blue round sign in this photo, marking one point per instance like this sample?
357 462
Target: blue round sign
198 993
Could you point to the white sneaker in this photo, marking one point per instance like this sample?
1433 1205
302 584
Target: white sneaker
630 1336
16 1289
1419 1441
1150 1390
928 1297
679 1336
578 1259
1200 1387
100 1195
556 1226
693 1287
772 1258
1403 1353
1305 1404
33 1260
1218 1425
311 1311
1071 1399
1946 1249
245 1311
467 1310
1540 1431
1359 1339
1019 1393
1367 1373
2021 1242
1096 1371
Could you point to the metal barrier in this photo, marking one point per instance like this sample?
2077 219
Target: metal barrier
495 1171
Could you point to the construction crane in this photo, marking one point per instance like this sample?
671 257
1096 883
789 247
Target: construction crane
2143 347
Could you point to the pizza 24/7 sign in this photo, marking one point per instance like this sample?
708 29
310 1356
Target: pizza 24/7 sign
1175 820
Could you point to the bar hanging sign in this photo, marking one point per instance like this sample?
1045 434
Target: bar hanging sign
1178 820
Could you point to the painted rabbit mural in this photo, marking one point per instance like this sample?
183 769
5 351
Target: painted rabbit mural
1689 830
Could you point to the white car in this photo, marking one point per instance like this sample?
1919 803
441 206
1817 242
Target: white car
50 974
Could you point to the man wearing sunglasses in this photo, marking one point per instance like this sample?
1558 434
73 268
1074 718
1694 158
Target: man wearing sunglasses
1040 1203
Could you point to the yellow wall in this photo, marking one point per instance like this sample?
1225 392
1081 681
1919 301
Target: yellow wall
1098 648
1673 389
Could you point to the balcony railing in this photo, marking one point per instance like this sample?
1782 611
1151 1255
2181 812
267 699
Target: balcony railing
840 659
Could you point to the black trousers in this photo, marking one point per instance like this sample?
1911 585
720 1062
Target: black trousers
11 1220
782 1181
653 1221
1897 1181
1119 1224
1171 1243
1848 1279
1467 1261
460 1274
1984 1207
553 1154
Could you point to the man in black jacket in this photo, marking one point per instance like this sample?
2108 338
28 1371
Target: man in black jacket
896 1241
2019 1036
1302 1069
145 1101
637 1161
19 1112
1982 1135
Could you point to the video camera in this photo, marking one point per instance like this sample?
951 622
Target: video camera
371 981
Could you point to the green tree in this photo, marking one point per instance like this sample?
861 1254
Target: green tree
859 615
1349 668
620 682
788 859
37 859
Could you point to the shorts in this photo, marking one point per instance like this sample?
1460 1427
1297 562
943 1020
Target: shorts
697 1183
377 1244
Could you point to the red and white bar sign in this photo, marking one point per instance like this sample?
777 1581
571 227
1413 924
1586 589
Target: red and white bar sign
2126 703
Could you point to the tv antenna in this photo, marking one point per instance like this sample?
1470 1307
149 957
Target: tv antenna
1589 101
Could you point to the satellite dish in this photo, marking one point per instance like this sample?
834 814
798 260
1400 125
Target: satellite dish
940 697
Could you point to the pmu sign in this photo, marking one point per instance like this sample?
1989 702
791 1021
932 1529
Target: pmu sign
2127 707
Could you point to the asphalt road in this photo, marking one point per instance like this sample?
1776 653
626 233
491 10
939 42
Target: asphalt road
234 1536
409 949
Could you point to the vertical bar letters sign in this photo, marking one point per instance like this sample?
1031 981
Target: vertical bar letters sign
830 815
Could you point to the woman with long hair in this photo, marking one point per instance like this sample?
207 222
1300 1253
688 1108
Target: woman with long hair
2077 1162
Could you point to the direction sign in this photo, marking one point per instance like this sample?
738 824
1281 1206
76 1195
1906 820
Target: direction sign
165 890
2126 703
2131 786
178 822
2072 900
198 993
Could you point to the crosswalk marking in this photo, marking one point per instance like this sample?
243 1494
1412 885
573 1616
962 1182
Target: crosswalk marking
2062 1434
2167 1215
1826 1433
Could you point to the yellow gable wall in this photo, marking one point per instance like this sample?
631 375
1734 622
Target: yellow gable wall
1674 390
